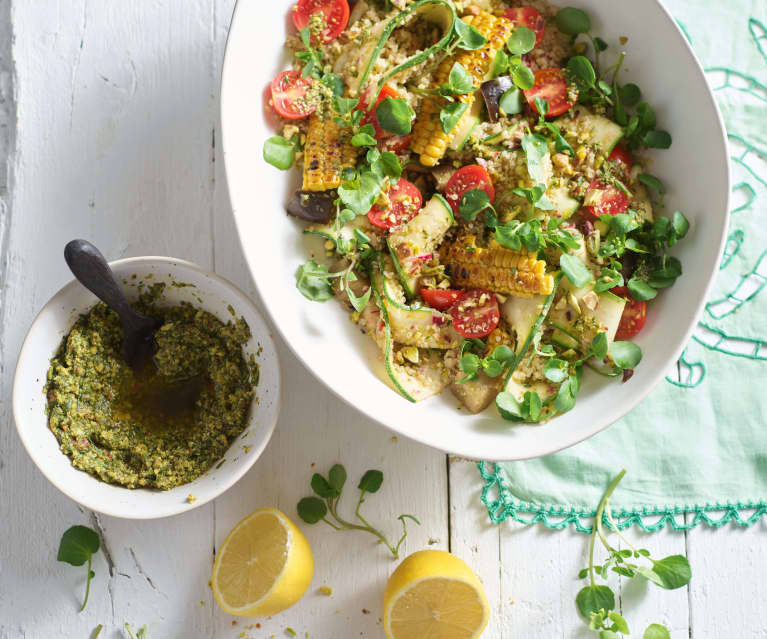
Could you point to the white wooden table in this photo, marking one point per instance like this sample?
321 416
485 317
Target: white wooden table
109 120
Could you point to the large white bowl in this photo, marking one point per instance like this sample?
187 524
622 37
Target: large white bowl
695 171
208 291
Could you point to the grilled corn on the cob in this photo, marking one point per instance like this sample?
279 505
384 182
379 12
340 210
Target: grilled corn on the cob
496 269
429 140
326 153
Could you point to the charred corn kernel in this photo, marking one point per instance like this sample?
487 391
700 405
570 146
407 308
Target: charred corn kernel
496 268
599 161
581 152
326 153
429 140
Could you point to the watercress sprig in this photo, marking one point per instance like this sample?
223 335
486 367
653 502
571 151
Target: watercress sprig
596 602
324 507
77 546
494 364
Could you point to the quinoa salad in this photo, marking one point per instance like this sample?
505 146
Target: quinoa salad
476 175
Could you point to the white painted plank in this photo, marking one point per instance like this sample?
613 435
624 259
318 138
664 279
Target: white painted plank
474 539
728 590
116 109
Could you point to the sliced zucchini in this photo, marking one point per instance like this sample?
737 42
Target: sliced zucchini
521 313
440 12
415 382
564 205
641 202
525 340
466 126
410 243
423 327
564 340
605 316
601 131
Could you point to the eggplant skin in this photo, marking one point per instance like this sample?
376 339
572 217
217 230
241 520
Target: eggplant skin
492 90
311 206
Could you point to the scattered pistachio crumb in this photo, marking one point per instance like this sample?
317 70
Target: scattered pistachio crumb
191 498
326 590
202 603
365 611
246 448
290 632
394 439
433 541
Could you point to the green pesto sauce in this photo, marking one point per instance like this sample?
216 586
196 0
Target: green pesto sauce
108 419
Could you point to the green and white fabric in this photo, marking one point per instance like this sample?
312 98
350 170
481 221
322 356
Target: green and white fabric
696 448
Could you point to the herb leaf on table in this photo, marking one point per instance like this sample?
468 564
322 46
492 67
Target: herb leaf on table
324 507
596 602
77 546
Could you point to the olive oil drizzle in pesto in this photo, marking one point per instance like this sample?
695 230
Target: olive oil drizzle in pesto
107 418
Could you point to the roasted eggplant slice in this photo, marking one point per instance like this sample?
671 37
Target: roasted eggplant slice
492 90
311 206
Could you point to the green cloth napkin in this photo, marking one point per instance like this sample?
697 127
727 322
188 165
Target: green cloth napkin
698 444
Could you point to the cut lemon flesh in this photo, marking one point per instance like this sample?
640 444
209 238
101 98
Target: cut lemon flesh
434 595
265 565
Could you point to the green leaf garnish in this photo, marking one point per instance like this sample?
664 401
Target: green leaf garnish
468 37
313 510
572 21
451 114
522 40
279 152
575 270
626 355
395 116
512 101
312 281
77 546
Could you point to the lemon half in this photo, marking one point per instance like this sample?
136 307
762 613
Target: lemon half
265 565
434 594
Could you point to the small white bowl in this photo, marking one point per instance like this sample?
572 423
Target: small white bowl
208 291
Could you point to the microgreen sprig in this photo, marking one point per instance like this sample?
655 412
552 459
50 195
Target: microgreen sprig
324 507
77 546
596 602
496 362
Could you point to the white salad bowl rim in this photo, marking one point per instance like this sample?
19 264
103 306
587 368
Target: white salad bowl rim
472 445
118 501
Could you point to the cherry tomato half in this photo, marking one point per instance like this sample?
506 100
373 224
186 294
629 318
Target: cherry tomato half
550 85
468 178
335 15
609 201
634 315
404 203
622 158
440 298
475 313
530 18
289 95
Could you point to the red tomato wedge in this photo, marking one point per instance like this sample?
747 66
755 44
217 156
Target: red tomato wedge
395 143
440 298
530 18
468 178
289 95
475 313
404 203
634 315
550 85
622 157
335 16
605 199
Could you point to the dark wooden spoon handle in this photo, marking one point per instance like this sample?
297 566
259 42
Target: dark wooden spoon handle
91 269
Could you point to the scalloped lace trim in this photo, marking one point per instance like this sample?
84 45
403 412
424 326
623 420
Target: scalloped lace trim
501 505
